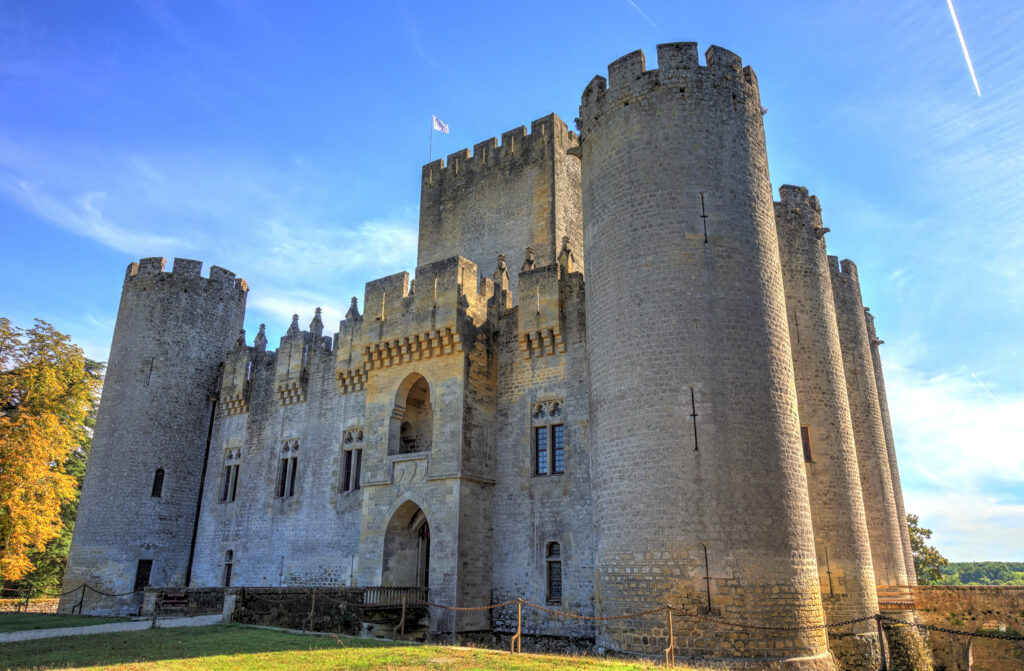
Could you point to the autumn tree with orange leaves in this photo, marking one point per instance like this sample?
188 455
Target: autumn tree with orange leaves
47 390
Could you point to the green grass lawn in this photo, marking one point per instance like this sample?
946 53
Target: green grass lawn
237 647
22 621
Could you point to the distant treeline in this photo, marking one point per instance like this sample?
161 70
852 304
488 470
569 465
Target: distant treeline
983 573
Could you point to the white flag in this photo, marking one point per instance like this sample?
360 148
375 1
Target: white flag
439 125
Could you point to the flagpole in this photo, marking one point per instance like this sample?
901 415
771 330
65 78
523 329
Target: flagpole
431 155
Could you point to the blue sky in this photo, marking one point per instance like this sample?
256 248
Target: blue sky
284 141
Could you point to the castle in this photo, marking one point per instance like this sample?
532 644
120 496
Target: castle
622 376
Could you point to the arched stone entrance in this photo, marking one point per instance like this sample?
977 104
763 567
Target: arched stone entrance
407 548
411 428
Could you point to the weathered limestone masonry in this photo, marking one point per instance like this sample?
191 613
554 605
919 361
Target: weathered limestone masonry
505 426
504 198
976 608
833 482
890 446
697 316
872 455
542 387
139 496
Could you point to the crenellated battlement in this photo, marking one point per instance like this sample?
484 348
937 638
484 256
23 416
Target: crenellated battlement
678 66
796 208
405 320
798 196
515 144
184 269
845 269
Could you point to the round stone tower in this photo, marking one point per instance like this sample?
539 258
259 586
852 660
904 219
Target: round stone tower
138 505
830 456
698 479
872 453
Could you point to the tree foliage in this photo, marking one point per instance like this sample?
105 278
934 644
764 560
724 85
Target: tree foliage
928 562
983 573
48 390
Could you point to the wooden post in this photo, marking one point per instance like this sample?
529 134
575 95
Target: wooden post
670 651
517 640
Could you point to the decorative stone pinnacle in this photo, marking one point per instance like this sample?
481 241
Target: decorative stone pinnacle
501 272
240 343
260 342
529 263
353 309
316 327
294 328
566 260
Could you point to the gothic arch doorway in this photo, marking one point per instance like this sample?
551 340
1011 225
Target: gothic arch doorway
407 548
412 421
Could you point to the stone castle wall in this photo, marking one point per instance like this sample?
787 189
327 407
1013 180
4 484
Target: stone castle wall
695 316
710 329
504 198
872 455
173 329
846 579
973 608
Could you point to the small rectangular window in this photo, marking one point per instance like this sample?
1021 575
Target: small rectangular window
291 482
227 574
227 484
540 446
555 581
346 479
142 573
234 481
282 480
805 438
158 484
558 448
359 466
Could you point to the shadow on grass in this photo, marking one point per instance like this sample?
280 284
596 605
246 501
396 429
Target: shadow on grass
25 621
156 645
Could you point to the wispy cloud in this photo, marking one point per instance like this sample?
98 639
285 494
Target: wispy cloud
83 215
961 461
282 229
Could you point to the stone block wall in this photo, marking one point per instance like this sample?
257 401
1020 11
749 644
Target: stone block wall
142 485
503 198
973 608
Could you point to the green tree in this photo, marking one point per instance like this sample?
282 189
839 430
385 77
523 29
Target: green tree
48 391
928 562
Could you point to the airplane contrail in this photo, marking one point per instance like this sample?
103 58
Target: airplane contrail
959 33
983 386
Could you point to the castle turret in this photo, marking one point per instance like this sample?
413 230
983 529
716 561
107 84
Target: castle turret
890 446
698 480
830 457
141 490
872 454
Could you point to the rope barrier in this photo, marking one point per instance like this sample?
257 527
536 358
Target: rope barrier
762 627
969 634
676 610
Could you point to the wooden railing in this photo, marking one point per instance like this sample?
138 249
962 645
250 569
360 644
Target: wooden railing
895 597
392 596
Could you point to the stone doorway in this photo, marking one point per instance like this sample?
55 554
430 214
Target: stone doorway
407 548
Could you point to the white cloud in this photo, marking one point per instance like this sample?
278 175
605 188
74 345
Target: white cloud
961 461
83 215
971 526
283 230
